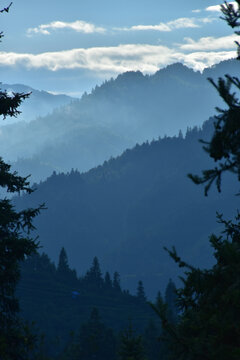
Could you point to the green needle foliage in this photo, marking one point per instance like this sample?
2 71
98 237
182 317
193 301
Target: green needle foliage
224 146
15 245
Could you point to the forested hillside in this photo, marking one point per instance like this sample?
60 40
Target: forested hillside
118 114
61 303
126 210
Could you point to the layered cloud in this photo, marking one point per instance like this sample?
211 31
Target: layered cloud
203 59
79 26
116 59
217 8
210 43
181 23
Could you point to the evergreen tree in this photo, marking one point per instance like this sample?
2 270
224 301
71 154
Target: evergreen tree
116 282
63 266
171 302
15 245
141 292
107 281
93 278
224 146
152 343
65 274
95 341
131 345
209 301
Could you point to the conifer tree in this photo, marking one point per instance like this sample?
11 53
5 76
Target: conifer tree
209 301
131 345
94 342
171 302
64 273
63 266
107 281
141 292
116 282
152 345
224 147
15 245
93 278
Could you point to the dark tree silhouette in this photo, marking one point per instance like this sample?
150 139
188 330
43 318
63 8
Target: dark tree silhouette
15 245
141 292
224 146
131 345
209 301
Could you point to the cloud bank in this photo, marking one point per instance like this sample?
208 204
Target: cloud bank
79 26
116 59
181 23
210 43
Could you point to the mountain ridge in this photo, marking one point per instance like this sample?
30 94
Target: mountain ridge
118 114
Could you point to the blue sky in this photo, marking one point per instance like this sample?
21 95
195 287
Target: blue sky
70 46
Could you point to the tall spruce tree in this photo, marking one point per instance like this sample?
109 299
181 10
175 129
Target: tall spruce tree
224 146
131 345
93 278
209 301
15 245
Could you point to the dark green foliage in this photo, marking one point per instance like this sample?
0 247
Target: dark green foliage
209 303
224 146
131 345
16 340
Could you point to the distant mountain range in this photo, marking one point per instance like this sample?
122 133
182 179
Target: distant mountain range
40 103
118 114
128 209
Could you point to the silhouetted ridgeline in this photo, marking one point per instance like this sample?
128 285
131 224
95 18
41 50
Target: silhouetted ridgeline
126 210
40 103
118 114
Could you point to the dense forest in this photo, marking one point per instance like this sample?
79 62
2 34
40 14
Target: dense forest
129 226
123 211
130 109
54 295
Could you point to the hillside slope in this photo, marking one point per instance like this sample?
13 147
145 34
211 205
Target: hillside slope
118 114
126 210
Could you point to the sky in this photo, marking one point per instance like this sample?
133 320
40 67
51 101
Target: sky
70 46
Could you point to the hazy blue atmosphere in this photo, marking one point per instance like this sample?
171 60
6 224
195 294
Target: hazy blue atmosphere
120 93
69 48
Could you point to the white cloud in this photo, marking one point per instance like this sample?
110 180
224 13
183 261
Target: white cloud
196 11
209 43
181 23
79 26
112 60
201 60
146 58
217 8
